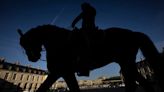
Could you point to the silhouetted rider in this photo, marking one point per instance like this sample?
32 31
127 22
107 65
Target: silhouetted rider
88 25
88 17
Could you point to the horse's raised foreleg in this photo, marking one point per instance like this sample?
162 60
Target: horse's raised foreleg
72 82
47 83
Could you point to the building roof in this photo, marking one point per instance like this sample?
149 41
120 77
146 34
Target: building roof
20 68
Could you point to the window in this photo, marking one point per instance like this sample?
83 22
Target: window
25 85
28 77
19 84
21 77
38 78
14 76
6 76
42 79
30 86
32 78
35 86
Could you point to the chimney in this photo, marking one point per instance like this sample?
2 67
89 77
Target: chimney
29 66
163 51
17 63
2 59
39 68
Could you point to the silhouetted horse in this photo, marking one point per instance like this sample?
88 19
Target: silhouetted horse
64 47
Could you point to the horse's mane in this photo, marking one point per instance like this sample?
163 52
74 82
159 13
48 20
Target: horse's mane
42 28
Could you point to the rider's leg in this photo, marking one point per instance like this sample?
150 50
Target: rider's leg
85 54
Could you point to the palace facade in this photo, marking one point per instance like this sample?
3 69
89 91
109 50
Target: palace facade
23 77
18 78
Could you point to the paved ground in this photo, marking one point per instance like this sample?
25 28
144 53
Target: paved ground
109 90
122 89
105 90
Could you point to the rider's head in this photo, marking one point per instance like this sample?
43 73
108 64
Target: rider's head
85 6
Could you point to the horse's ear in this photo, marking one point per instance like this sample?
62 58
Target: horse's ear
20 32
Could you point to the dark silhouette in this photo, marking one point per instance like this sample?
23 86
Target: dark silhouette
88 17
88 24
64 48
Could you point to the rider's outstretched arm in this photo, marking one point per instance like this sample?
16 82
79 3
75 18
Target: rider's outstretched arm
76 20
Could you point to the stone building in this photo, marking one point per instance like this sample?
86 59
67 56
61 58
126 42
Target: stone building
18 78
25 78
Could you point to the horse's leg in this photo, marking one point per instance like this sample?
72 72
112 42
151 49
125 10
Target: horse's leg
71 82
47 83
131 75
144 83
152 56
128 73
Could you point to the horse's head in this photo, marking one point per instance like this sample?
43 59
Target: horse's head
31 45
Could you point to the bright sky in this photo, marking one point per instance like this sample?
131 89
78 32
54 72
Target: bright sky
145 16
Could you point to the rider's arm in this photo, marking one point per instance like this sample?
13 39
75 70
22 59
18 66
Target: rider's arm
76 20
